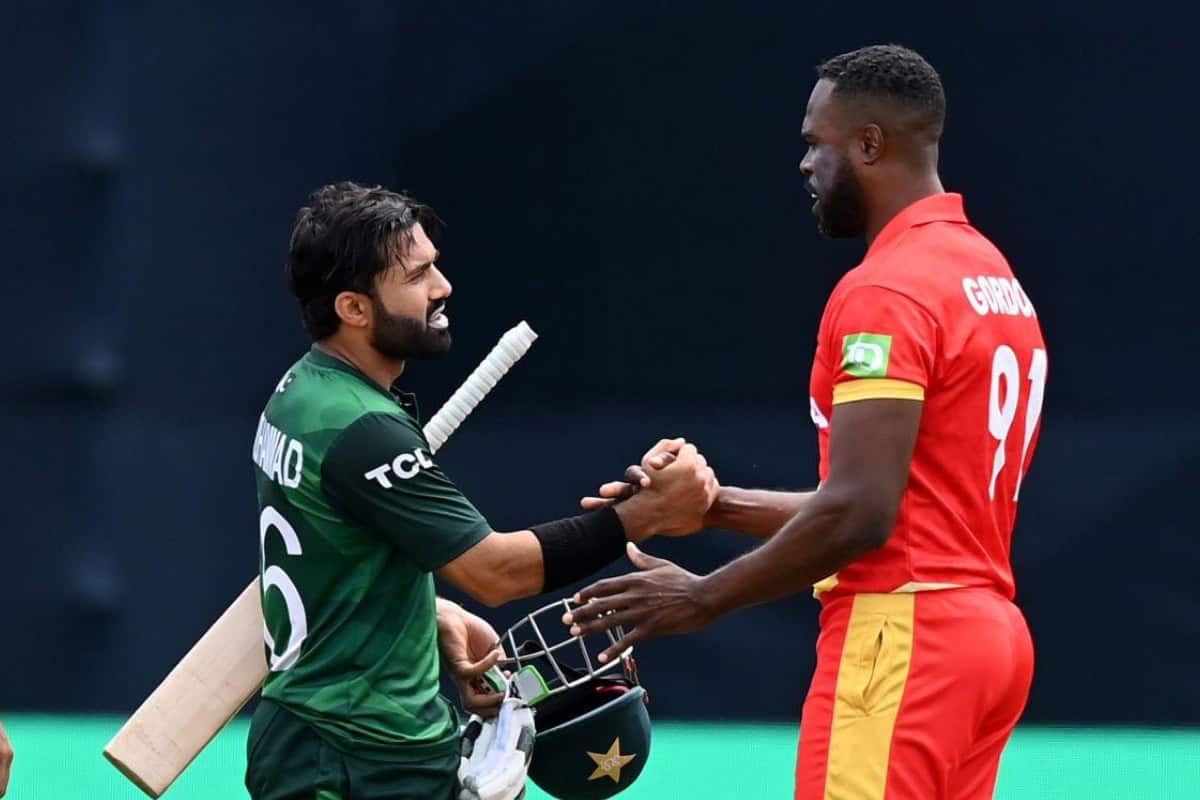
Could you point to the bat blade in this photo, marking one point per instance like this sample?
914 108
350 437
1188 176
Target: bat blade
206 689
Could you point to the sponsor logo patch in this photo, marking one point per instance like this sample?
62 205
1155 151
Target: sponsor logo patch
865 355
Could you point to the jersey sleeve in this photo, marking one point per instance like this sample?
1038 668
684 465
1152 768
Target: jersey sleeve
883 344
379 472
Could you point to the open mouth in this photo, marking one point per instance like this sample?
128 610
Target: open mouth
437 319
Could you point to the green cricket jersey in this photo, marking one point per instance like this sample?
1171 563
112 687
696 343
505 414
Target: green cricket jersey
354 517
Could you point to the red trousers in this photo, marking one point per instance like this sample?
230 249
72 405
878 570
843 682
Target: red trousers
914 696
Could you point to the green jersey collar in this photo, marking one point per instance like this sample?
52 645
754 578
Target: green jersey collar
406 400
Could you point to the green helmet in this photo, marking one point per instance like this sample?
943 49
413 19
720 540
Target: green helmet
593 730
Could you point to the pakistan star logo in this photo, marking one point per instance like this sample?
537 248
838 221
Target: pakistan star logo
610 763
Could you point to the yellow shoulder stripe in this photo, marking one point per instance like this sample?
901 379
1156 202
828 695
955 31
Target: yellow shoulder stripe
877 389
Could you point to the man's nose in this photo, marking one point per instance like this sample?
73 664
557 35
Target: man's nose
442 287
806 168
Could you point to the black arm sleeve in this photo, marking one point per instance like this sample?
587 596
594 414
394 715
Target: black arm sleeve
575 547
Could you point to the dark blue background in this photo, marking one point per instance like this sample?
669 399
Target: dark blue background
623 176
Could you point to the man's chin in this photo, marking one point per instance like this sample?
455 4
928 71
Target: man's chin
829 231
436 345
825 231
429 347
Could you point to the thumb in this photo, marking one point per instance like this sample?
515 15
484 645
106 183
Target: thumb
660 461
592 503
641 560
473 669
620 489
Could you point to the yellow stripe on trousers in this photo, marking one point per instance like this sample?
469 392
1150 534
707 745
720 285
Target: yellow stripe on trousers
870 687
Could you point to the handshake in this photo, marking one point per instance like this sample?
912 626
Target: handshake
669 493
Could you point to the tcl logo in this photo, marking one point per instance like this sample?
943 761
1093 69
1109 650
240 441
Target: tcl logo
403 466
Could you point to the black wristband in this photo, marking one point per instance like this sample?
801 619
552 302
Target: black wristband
575 547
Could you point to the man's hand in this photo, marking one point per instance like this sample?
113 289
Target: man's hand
6 759
616 491
677 495
469 648
660 600
636 478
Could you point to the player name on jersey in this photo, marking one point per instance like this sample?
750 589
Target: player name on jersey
991 295
279 457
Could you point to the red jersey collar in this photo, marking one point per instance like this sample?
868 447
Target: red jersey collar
945 207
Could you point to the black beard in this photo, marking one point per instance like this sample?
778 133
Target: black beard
402 338
843 211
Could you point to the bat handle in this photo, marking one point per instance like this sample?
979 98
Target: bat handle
511 347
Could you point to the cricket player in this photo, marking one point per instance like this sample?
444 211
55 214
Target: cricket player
356 518
6 759
926 392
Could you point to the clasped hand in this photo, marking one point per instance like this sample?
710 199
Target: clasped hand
676 478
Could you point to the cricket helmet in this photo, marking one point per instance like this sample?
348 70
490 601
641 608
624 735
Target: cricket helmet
593 729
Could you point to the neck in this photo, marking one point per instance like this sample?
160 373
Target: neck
365 359
908 190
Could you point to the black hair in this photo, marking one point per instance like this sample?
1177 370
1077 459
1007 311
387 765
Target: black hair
890 72
342 240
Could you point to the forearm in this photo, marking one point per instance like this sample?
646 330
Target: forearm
755 512
547 557
519 572
825 536
501 568
639 516
449 616
552 555
448 612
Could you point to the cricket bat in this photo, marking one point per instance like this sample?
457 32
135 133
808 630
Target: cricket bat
223 670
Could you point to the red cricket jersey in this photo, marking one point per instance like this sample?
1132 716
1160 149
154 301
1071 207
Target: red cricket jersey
934 313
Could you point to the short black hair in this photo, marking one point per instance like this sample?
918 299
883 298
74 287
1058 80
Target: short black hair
890 72
342 240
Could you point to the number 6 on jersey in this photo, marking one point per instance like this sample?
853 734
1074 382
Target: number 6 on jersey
275 576
1002 407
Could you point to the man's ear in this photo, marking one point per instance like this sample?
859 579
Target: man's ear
353 309
871 144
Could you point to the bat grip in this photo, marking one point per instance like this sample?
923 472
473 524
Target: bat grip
512 345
